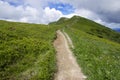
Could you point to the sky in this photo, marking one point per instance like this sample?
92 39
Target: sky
106 12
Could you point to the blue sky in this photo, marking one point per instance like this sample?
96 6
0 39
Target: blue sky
14 2
64 8
105 12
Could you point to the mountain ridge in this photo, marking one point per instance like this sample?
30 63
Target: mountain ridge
89 27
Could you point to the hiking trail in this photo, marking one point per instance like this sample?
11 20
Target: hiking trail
68 69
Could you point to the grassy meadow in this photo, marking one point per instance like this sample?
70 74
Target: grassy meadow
26 51
99 58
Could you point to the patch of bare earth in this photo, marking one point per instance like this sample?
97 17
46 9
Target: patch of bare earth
68 69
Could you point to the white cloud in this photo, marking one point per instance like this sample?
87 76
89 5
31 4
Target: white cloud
51 15
84 13
109 5
24 19
87 14
16 13
8 11
38 11
110 25
28 13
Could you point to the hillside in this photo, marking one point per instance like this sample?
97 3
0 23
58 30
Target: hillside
27 51
97 47
98 57
89 27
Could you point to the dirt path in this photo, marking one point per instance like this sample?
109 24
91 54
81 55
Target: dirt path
69 40
68 68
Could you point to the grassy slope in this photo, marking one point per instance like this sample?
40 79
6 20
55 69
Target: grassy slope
89 27
99 58
26 51
97 47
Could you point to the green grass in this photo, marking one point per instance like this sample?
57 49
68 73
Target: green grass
99 58
89 27
26 51
97 48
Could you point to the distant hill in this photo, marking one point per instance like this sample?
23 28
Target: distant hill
89 27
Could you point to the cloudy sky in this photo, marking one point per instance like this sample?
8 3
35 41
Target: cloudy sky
106 12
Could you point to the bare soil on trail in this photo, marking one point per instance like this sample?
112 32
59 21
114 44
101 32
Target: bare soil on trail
68 69
69 40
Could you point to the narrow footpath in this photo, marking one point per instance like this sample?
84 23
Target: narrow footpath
68 69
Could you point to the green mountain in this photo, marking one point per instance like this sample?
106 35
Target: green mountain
89 27
97 48
27 52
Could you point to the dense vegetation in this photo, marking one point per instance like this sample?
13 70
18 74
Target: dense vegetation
97 47
26 51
